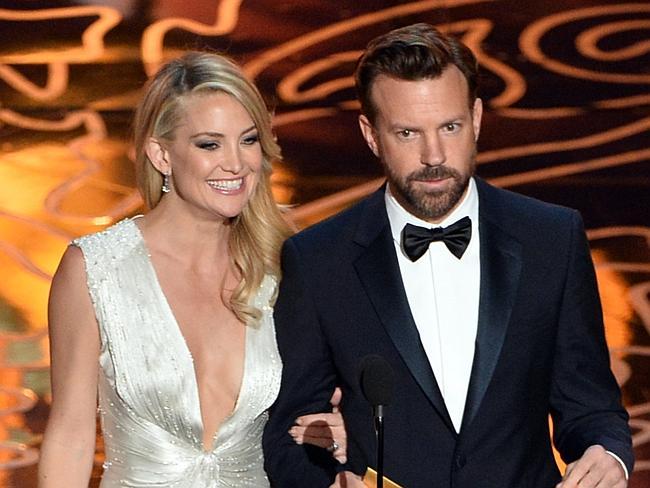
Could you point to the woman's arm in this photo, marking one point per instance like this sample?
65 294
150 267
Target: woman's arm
68 446
326 430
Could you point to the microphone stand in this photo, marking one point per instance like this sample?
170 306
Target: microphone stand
377 378
379 431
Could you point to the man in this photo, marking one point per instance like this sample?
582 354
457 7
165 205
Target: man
490 325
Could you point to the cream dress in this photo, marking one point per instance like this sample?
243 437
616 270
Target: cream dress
148 393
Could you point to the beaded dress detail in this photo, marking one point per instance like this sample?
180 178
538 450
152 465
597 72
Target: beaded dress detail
148 393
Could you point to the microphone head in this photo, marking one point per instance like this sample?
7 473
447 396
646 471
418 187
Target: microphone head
377 379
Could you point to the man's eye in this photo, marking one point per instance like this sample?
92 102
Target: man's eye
405 133
451 127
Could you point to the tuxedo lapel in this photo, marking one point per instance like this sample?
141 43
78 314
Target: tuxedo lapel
378 270
500 271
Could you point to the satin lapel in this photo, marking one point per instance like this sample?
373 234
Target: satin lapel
500 271
379 273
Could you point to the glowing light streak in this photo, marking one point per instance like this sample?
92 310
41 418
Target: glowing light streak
640 297
92 38
557 171
624 102
563 112
57 60
529 43
302 116
619 231
154 35
325 206
288 88
56 84
539 113
475 33
95 132
637 127
23 260
260 63
587 41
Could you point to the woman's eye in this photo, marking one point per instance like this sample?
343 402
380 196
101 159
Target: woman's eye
250 140
208 146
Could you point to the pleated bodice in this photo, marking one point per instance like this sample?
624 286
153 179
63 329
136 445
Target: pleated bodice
148 392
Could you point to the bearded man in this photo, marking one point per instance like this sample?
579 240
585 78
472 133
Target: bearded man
483 302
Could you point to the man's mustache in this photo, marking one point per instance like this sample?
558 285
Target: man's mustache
433 173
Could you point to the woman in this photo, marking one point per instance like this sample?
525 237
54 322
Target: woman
151 311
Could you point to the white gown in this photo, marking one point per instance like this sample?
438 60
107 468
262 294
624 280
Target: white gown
148 393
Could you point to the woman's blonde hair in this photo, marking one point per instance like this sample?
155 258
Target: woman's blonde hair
259 231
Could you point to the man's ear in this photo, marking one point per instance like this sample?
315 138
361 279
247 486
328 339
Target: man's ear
368 132
477 114
157 154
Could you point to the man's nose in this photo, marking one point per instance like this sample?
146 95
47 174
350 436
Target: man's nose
433 151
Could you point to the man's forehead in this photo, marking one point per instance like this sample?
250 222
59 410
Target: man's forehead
410 99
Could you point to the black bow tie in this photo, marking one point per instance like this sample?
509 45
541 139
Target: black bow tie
416 240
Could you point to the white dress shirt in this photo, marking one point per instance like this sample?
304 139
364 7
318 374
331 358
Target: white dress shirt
443 294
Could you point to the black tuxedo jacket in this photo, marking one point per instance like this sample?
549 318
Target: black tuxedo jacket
540 349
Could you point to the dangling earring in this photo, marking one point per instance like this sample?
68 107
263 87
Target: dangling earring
165 185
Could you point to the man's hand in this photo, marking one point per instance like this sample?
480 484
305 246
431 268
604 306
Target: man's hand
595 468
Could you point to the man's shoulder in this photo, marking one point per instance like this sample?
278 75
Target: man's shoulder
506 205
339 227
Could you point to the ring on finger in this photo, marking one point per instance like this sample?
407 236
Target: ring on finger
333 447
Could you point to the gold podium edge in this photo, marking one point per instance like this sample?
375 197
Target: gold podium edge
370 480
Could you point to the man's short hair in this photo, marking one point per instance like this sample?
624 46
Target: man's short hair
415 52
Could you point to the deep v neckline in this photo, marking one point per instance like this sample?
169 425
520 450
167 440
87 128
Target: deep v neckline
175 325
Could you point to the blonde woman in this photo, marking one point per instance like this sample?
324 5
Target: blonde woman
167 317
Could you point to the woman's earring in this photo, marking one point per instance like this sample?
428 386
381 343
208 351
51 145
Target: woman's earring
165 185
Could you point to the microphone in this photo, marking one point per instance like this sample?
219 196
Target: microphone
377 379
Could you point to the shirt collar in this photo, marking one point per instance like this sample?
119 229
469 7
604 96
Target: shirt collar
398 216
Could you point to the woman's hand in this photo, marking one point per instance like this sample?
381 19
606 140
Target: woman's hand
325 430
348 479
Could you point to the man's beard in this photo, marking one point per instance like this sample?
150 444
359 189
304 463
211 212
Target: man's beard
430 205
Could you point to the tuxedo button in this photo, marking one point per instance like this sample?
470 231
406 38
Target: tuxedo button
459 461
